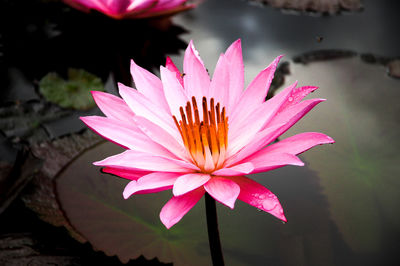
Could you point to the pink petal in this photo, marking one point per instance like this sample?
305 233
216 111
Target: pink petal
172 67
196 78
256 92
236 69
177 207
149 85
244 131
144 107
223 190
150 183
127 174
257 143
189 182
219 87
167 4
290 116
297 95
160 136
113 106
239 169
298 143
173 91
139 6
115 7
269 161
135 160
258 196
166 12
124 134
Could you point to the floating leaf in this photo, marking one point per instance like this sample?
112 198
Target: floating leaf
359 172
94 206
72 93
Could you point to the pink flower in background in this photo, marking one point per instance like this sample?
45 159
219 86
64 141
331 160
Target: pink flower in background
120 9
193 134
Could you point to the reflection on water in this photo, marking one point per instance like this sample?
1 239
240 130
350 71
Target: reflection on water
359 172
342 207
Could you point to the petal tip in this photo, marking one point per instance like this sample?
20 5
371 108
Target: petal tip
168 223
330 140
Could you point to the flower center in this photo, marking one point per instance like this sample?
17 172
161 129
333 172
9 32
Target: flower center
206 140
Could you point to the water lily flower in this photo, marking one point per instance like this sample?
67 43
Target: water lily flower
197 135
121 9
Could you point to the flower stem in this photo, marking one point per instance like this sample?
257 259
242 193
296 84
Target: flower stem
213 234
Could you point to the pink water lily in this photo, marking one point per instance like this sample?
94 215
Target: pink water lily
120 9
193 134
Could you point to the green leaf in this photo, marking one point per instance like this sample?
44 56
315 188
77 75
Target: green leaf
72 93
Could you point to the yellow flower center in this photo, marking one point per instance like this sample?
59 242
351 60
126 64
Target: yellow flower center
206 140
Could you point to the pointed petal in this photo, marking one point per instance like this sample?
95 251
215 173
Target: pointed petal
297 95
177 207
124 134
256 92
127 174
290 116
241 133
239 169
299 143
135 160
150 183
149 85
269 161
173 91
140 5
160 136
189 182
144 107
258 196
113 106
196 78
172 67
219 87
236 70
223 190
256 144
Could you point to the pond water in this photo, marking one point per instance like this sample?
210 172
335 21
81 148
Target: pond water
342 207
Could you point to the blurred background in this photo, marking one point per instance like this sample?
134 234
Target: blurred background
342 206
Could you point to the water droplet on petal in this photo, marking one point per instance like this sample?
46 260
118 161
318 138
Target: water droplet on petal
290 99
262 196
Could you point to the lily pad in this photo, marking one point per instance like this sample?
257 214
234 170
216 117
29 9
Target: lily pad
72 93
94 206
359 173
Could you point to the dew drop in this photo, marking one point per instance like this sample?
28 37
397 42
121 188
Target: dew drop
290 99
262 196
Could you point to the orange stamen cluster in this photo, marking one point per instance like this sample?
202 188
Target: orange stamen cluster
207 140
